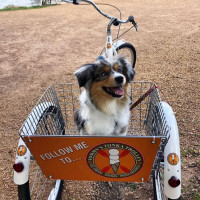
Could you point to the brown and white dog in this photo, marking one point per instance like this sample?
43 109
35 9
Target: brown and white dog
105 100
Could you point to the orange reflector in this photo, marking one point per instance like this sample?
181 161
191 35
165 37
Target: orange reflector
21 150
109 45
173 159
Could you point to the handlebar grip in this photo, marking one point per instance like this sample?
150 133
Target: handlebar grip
75 2
131 18
116 22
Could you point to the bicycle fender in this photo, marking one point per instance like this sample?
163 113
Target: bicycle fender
119 43
21 178
172 148
29 128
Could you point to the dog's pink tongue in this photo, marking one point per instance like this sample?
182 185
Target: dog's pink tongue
118 90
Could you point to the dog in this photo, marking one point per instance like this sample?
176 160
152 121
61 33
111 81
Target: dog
105 100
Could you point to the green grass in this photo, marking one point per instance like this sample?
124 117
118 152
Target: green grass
133 186
182 133
184 153
191 150
197 196
25 8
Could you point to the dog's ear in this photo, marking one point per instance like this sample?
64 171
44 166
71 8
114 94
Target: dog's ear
129 72
85 74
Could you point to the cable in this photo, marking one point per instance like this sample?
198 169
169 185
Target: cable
123 33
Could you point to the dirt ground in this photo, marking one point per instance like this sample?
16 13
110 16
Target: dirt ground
41 47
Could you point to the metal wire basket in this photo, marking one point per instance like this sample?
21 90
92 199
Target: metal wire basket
54 112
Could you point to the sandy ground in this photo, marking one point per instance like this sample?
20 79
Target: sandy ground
41 47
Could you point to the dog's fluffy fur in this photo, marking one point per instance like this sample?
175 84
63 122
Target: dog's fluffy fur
105 101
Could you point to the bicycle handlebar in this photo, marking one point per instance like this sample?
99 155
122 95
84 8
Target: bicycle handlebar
104 14
116 21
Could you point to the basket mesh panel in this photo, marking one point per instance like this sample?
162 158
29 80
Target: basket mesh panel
54 112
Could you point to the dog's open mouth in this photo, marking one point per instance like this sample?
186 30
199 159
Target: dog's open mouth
114 91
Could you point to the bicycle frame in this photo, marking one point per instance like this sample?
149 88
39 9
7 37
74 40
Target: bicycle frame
109 48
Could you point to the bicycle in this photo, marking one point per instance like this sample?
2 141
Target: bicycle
152 131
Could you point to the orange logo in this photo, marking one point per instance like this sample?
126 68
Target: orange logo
114 160
21 150
173 159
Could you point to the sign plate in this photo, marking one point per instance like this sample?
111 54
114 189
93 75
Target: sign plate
94 158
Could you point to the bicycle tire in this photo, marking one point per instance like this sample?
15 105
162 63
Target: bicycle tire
38 186
158 184
128 51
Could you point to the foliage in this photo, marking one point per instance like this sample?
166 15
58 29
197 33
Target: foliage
13 8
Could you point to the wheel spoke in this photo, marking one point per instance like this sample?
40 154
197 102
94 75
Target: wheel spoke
159 184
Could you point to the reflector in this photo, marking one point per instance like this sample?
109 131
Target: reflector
173 159
21 151
109 45
18 167
174 182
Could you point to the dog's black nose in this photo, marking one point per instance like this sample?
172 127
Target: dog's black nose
119 79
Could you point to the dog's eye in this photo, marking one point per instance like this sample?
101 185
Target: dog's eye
103 74
120 70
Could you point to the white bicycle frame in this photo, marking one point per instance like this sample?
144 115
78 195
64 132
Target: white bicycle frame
110 49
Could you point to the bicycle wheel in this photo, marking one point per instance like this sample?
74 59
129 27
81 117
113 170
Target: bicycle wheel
158 185
38 186
128 51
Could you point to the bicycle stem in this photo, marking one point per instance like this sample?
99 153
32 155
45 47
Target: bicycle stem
109 50
113 19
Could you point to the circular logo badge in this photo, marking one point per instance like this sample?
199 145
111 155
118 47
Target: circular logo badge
173 159
114 160
21 150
